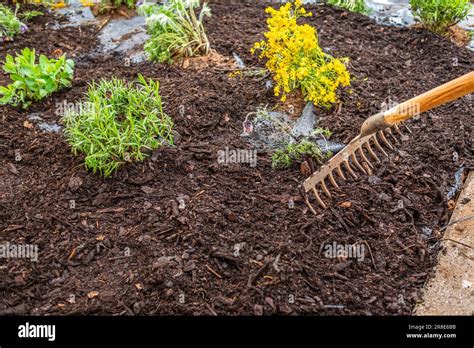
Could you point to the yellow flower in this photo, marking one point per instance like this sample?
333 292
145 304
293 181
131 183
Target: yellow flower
59 4
295 58
87 3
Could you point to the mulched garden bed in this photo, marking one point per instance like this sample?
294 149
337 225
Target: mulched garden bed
183 261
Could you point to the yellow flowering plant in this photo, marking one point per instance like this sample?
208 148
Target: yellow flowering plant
54 4
296 60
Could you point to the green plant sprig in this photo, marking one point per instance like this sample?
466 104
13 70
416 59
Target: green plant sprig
298 151
118 123
175 30
10 25
440 15
110 5
34 81
357 6
29 15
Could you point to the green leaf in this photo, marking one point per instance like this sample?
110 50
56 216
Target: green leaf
35 81
4 90
18 84
44 62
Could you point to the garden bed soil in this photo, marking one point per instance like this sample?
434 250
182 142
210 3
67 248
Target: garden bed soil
185 261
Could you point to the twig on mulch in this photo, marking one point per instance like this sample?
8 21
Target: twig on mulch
103 24
213 272
458 242
211 310
13 228
160 233
457 221
118 257
254 277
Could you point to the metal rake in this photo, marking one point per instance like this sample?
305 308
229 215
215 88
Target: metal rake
377 130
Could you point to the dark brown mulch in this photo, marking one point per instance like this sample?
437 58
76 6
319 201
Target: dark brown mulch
184 261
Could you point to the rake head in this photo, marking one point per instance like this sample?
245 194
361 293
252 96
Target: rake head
375 132
355 157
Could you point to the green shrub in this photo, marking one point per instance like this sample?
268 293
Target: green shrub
439 15
351 5
298 151
29 15
110 5
10 25
34 81
118 123
175 30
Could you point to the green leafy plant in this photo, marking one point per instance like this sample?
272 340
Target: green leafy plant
117 123
175 30
299 151
358 6
34 81
440 15
29 15
10 25
54 4
110 5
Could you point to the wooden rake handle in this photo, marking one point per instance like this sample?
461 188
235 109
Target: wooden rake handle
438 96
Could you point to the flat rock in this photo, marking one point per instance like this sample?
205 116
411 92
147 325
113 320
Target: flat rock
305 124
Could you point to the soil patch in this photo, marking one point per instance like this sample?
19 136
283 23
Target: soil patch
182 234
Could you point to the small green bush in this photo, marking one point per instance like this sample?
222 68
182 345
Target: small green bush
175 30
110 5
118 123
29 15
351 5
298 151
439 15
34 81
10 25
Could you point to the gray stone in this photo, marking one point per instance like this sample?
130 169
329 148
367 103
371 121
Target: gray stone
125 36
330 146
43 125
77 15
240 63
426 231
305 124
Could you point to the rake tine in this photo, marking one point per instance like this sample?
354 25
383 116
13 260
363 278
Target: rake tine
306 200
349 169
371 152
367 168
356 161
364 157
377 145
397 128
341 174
385 141
393 136
333 181
320 201
325 189
407 128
